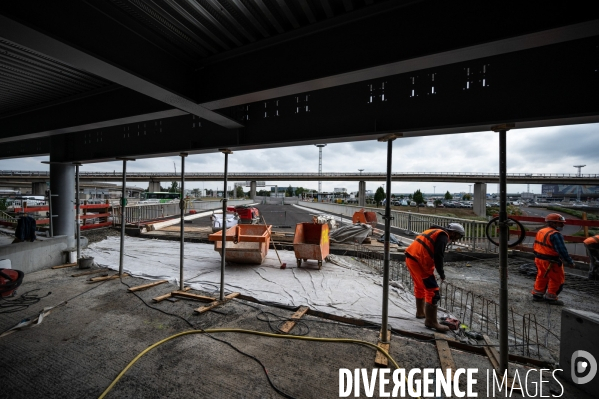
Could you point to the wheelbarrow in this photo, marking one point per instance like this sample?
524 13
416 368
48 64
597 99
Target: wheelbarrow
311 241
245 243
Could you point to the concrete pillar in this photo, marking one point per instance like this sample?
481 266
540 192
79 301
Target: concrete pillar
480 199
62 183
154 186
234 191
39 188
362 193
252 189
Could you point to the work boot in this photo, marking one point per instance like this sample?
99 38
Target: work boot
538 298
420 314
555 302
431 318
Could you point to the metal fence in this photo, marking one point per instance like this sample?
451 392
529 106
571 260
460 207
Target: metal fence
139 213
412 223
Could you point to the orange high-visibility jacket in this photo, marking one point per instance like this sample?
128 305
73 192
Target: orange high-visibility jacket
592 240
423 249
543 247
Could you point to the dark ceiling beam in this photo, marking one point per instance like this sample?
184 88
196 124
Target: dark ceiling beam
504 46
204 13
232 20
251 17
288 13
327 8
47 45
306 7
112 106
271 18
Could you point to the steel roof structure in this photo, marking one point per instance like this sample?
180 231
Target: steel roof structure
92 81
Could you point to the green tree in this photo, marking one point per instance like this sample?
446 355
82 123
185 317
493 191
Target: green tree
196 192
379 195
289 191
174 187
300 191
239 192
418 197
467 197
2 204
448 196
263 193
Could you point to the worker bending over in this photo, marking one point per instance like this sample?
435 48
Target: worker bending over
592 246
550 256
423 256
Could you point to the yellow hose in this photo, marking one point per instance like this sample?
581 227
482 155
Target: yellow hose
242 331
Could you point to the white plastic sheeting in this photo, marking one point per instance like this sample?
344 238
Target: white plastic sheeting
345 287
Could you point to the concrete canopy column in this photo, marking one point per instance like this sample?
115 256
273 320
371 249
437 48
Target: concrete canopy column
252 189
362 193
480 199
62 183
39 188
154 186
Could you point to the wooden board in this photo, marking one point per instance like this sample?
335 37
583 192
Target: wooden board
493 356
217 303
89 272
296 316
65 265
193 296
166 296
380 359
98 279
145 286
445 357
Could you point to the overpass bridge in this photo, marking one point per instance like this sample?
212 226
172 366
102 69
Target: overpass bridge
447 177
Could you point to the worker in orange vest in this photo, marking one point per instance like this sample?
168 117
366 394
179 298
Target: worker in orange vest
550 257
592 246
423 256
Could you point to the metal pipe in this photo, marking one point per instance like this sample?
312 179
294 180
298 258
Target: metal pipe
385 316
49 193
123 204
224 230
77 207
182 206
503 239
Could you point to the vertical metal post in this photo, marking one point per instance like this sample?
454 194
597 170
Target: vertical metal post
49 194
503 239
385 308
182 206
224 230
123 205
77 207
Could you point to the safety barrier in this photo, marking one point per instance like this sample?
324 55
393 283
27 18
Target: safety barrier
88 220
474 238
139 213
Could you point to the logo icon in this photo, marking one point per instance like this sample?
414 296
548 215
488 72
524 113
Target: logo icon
584 367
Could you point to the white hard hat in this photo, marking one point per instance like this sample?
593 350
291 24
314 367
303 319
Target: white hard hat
456 227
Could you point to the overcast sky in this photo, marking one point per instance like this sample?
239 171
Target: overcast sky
540 150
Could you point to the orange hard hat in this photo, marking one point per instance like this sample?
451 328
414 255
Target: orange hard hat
555 217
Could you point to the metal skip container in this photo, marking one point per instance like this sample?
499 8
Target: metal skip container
245 243
311 241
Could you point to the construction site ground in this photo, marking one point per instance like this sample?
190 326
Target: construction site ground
95 330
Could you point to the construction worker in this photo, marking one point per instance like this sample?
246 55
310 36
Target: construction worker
592 246
550 257
423 256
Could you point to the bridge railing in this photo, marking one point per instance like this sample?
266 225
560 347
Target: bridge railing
412 223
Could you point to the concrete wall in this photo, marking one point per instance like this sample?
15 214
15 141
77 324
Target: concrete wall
33 256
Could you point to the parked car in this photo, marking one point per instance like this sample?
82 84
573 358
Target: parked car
413 203
430 205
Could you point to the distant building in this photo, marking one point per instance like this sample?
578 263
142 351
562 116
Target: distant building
570 190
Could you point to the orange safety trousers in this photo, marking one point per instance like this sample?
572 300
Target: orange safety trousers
551 284
425 283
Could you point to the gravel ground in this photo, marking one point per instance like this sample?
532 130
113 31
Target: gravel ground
100 234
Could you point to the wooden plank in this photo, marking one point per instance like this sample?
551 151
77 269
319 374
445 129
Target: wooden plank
65 265
145 286
89 272
296 316
193 296
217 303
168 295
98 279
493 356
380 359
445 357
